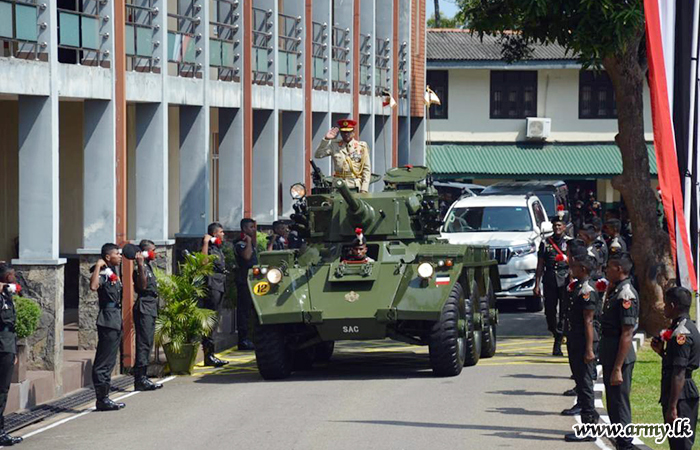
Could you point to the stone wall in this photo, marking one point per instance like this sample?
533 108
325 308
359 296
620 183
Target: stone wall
87 306
44 284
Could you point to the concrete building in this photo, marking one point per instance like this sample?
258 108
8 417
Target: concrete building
480 132
131 119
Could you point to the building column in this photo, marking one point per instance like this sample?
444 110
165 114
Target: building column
292 158
99 207
40 270
194 171
230 167
265 141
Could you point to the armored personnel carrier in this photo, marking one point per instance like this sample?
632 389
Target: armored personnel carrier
413 287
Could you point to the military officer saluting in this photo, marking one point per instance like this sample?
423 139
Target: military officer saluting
351 160
8 344
617 355
679 347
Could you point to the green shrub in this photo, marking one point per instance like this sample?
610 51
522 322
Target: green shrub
181 321
28 314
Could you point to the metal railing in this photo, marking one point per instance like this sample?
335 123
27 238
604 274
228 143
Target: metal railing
341 60
289 59
262 46
19 30
182 41
139 32
381 65
365 64
79 37
319 58
222 45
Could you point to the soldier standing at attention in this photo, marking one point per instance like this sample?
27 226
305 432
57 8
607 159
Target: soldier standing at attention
681 356
617 355
616 244
246 257
588 235
105 280
553 269
145 312
351 160
216 284
8 344
581 341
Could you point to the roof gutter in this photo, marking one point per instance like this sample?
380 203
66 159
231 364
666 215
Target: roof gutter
551 64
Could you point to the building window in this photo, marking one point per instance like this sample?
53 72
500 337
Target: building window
437 81
513 94
596 96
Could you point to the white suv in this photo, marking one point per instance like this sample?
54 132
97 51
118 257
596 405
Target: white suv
513 226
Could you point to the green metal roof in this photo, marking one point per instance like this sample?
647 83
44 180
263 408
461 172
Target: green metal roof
528 160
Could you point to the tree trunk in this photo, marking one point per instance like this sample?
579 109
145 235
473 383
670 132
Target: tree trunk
437 13
651 246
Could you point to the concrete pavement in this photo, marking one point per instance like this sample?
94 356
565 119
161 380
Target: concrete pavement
371 395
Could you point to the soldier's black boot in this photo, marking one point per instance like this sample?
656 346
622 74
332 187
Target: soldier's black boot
209 358
585 418
103 402
141 381
556 351
5 439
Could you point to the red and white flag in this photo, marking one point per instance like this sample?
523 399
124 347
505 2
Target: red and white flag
671 33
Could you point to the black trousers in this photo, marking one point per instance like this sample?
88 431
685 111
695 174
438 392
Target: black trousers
617 398
7 364
244 305
687 408
555 299
145 326
108 340
212 302
583 376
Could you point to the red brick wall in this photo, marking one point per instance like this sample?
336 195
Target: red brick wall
418 24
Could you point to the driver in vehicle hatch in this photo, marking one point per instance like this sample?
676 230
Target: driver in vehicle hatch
357 252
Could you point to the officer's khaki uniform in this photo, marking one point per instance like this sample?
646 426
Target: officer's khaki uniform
350 162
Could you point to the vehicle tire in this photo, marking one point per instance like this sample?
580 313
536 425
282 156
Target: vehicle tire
273 356
304 358
447 344
473 338
534 304
488 334
324 351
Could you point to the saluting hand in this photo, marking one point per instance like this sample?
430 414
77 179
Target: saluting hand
658 346
332 133
100 264
207 238
139 258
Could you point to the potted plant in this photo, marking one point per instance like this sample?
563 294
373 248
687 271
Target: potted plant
181 323
28 315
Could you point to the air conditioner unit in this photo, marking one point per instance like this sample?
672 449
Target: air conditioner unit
538 127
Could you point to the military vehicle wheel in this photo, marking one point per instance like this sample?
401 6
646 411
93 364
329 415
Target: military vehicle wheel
488 334
304 358
272 355
447 342
324 351
473 337
534 304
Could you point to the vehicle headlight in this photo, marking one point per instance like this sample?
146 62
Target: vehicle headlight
274 276
522 250
298 191
425 270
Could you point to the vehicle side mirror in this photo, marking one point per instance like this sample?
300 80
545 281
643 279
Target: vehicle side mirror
546 229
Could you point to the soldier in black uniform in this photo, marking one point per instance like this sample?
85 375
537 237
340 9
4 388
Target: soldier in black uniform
617 355
581 340
681 356
599 242
8 345
553 268
280 236
588 235
105 280
145 312
615 243
216 284
246 257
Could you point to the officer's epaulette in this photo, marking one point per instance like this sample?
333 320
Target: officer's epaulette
681 328
598 244
626 293
586 289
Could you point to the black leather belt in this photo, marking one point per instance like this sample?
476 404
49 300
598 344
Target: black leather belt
111 305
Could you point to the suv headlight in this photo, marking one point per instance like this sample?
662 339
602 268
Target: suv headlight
522 250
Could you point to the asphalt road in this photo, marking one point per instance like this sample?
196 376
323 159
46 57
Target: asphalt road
371 395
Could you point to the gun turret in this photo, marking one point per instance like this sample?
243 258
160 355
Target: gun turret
359 212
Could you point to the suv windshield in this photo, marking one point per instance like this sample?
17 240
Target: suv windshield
488 218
